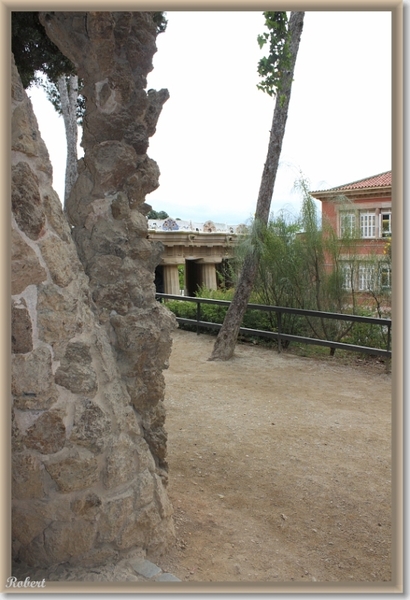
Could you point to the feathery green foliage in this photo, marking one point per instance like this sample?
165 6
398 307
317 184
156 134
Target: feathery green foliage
272 67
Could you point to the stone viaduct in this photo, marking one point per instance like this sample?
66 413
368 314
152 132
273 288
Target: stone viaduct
202 248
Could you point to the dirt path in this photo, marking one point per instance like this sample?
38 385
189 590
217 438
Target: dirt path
279 467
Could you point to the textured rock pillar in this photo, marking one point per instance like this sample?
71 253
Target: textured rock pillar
208 276
171 279
113 54
88 443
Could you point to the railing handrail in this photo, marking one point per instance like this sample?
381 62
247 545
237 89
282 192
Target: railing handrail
278 335
283 309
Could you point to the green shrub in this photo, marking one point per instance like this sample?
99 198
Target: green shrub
363 334
186 310
253 319
210 312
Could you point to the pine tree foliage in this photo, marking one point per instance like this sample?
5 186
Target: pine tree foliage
41 63
34 52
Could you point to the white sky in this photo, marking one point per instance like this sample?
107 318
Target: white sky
212 135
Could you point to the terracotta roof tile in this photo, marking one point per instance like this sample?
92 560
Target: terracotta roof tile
381 180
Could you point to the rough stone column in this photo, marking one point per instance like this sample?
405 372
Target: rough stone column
113 54
171 279
85 484
208 276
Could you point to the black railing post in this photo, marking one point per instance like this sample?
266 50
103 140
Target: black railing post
388 360
279 331
198 316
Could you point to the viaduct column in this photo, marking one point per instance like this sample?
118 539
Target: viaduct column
208 275
171 279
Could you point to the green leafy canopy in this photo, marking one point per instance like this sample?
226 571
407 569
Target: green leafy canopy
271 68
33 50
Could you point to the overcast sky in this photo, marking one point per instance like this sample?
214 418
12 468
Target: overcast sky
212 135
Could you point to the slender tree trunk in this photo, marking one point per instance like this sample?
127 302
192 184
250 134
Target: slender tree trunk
228 334
68 97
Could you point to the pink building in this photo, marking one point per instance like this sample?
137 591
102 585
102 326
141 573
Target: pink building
361 211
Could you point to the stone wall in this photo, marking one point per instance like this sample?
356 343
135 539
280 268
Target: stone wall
107 210
89 344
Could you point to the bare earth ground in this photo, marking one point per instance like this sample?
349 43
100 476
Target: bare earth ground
279 466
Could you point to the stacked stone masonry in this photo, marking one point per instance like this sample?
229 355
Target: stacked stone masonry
89 341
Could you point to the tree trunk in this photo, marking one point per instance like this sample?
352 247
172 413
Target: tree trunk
68 97
225 342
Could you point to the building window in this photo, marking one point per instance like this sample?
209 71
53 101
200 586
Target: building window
347 224
368 221
367 225
385 224
347 276
385 277
366 277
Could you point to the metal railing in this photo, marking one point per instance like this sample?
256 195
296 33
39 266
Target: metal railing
278 335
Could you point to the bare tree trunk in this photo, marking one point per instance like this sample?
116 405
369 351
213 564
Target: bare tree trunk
68 97
228 334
